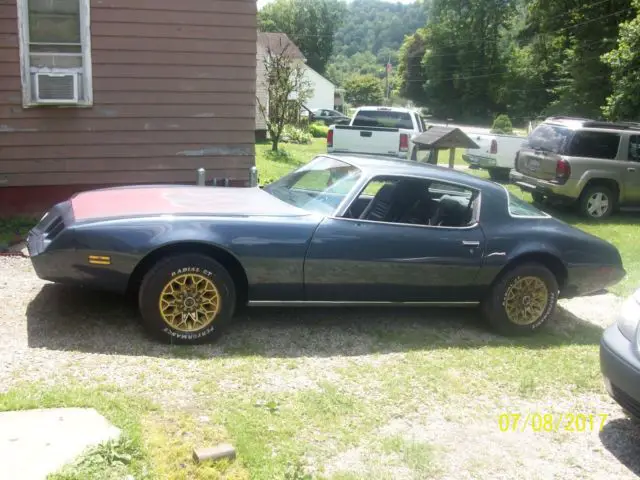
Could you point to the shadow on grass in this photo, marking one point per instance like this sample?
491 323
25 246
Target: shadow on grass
621 437
283 156
67 318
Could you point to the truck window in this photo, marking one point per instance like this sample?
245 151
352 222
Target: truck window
383 118
594 145
550 138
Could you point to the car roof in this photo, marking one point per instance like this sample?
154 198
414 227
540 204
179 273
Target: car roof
381 165
577 123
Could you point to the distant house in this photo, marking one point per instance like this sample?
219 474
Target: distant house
323 95
323 91
107 92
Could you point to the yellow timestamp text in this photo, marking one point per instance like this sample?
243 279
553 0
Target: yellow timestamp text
551 422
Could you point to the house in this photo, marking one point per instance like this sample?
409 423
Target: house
107 92
322 90
323 95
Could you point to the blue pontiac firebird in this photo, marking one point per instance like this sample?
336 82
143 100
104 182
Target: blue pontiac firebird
341 230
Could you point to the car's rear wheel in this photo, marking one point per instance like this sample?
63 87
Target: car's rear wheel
597 202
522 300
187 299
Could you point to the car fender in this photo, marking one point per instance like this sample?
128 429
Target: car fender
599 175
497 262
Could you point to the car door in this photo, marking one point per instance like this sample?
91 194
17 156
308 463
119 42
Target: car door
632 174
359 260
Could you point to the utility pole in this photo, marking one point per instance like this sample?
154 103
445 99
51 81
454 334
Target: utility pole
386 88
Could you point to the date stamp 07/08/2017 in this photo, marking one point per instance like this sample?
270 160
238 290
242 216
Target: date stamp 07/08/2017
552 422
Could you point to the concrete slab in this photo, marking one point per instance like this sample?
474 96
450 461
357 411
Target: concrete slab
36 443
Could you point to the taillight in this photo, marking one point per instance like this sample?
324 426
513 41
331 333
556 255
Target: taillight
404 142
494 147
330 138
563 170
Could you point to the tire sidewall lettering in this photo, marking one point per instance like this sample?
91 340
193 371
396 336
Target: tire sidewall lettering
192 269
189 335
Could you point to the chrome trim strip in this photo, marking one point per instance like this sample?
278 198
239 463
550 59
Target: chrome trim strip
312 303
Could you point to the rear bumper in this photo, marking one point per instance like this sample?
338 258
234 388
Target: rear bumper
479 161
620 367
535 185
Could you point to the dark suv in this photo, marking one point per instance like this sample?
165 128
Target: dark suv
593 164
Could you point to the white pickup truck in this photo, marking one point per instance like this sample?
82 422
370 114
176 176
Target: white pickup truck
497 153
377 130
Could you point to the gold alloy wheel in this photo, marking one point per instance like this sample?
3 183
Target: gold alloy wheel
189 302
526 300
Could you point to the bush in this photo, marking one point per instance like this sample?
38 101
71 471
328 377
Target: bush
502 124
291 134
318 130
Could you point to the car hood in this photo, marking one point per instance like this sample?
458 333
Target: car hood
121 202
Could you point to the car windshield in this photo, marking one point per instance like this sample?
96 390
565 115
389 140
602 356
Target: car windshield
319 186
520 208
549 138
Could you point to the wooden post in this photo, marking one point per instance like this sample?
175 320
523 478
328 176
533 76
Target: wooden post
452 157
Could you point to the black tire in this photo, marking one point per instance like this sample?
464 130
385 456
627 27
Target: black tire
589 193
203 268
537 197
499 174
494 307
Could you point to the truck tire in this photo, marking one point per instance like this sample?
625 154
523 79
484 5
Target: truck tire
597 202
499 174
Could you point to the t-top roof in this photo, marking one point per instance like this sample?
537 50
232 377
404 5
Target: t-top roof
444 137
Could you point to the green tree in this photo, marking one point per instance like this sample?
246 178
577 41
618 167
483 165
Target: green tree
310 24
287 89
624 62
502 124
364 90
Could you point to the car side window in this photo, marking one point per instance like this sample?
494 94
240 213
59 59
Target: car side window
594 145
634 148
415 201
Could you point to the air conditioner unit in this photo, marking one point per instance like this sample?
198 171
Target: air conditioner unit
56 87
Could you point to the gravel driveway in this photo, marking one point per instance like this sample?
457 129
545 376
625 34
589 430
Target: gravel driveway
52 334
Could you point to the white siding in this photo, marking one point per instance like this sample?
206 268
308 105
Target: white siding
261 89
323 90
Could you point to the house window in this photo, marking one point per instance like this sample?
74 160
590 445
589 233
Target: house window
55 52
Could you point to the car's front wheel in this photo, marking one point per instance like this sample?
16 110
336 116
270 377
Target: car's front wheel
522 300
187 299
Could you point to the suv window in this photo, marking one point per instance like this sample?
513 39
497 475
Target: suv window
383 118
550 138
634 148
594 145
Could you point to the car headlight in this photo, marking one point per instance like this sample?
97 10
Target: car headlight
629 316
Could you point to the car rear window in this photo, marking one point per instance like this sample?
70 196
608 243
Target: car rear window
383 118
594 145
520 208
550 138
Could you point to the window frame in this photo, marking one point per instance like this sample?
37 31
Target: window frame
28 101
366 180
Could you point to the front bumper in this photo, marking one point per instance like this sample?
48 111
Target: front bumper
536 185
620 367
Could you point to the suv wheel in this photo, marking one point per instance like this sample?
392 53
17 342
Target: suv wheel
597 202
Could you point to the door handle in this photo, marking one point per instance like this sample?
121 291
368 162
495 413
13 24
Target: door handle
631 169
469 243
